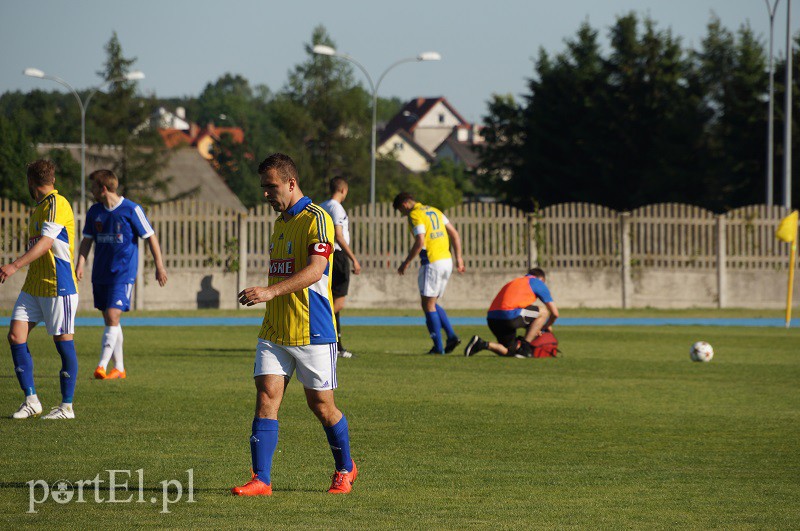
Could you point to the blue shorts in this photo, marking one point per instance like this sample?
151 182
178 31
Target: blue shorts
107 296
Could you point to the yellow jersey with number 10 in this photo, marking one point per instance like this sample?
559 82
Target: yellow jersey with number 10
52 274
431 222
305 316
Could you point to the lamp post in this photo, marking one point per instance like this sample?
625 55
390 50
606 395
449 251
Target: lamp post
83 104
770 113
322 49
787 127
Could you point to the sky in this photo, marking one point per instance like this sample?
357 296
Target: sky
487 47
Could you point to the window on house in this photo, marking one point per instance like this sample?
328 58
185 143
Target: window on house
398 146
441 117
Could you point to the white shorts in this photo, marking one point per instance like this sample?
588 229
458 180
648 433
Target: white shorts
58 313
316 364
433 277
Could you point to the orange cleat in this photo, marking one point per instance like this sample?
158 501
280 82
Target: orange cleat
100 373
116 375
343 481
254 487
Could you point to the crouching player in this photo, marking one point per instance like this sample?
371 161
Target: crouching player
513 308
114 224
298 331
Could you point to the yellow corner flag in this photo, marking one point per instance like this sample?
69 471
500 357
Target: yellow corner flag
787 230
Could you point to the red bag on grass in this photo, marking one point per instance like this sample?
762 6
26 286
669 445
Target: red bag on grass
545 346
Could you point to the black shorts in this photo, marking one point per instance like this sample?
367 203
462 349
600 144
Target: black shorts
505 330
340 280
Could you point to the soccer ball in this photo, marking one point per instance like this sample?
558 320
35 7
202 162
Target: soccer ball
701 351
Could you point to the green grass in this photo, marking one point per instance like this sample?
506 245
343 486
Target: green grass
621 432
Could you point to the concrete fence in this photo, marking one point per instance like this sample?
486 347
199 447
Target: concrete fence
664 255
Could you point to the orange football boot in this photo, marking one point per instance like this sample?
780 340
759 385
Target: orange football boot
100 373
343 481
116 375
254 487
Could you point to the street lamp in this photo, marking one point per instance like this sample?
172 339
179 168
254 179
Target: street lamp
771 114
322 49
787 126
130 76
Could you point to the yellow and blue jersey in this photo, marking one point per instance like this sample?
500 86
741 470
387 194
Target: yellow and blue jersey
430 221
305 316
52 274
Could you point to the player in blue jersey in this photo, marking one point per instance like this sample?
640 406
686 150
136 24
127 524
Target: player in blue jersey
114 224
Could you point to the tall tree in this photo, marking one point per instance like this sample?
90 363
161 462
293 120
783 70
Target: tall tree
502 152
731 74
236 163
119 112
16 151
780 124
655 128
332 125
563 123
621 131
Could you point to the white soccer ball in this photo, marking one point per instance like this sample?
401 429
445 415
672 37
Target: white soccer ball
701 351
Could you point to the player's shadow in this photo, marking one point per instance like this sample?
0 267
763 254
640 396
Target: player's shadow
207 297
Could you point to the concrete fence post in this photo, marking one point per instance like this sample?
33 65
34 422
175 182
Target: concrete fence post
241 280
722 266
625 259
533 252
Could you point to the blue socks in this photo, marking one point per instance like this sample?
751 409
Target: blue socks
434 325
339 441
264 441
69 369
262 445
23 367
445 322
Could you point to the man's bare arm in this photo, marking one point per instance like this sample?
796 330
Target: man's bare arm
339 235
155 250
419 243
37 251
455 239
300 280
83 255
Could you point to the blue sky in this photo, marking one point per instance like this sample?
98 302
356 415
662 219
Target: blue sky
182 45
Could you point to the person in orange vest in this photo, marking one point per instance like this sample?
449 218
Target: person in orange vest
513 308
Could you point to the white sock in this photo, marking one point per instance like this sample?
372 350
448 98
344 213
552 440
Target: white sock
118 363
109 339
32 399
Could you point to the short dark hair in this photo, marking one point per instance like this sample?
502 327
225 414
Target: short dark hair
401 198
42 172
336 184
537 272
105 178
283 164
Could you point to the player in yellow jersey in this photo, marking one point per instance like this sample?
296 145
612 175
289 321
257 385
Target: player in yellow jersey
433 233
50 291
298 331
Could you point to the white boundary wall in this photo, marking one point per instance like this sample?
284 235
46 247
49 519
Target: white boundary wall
662 256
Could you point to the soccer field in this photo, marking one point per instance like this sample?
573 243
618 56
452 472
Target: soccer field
623 431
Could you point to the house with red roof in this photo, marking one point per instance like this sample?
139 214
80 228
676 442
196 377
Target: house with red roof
426 129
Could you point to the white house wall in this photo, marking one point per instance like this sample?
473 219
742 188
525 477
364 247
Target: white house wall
433 128
405 155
